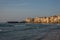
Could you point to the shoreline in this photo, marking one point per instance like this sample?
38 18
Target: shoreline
49 20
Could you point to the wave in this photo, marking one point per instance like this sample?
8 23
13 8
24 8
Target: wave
20 25
24 27
3 30
0 30
6 25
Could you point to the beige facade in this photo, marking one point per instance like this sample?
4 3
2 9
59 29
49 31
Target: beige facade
29 20
47 20
51 19
55 19
58 18
37 20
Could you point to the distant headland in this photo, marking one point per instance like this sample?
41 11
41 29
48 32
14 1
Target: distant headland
16 22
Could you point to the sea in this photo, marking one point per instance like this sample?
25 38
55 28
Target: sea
21 31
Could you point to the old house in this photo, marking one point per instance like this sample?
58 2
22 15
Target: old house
55 19
29 20
58 18
51 19
37 20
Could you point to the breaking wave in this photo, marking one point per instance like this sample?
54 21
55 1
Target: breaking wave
26 31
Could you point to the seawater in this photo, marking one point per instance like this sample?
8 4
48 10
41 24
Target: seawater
25 31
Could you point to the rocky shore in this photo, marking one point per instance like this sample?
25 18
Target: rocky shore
51 19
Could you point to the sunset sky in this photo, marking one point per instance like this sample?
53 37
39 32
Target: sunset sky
18 10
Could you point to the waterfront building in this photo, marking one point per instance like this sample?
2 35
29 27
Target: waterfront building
51 19
55 19
29 20
58 18
44 20
47 19
37 20
41 19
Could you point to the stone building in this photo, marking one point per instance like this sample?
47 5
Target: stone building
51 19
29 20
37 20
58 18
44 19
41 20
55 19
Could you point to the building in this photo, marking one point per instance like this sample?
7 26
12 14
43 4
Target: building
37 20
51 19
44 19
29 20
55 19
58 18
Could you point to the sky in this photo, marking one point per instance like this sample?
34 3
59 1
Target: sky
17 10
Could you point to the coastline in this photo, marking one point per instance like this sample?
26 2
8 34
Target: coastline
40 20
44 20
